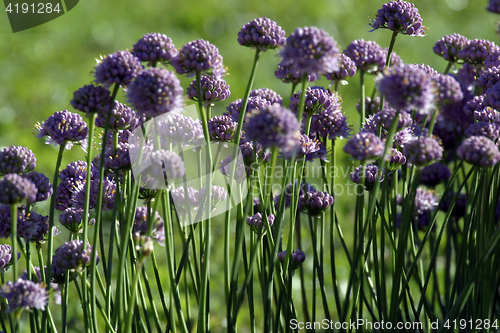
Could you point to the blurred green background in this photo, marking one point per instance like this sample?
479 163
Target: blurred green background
41 67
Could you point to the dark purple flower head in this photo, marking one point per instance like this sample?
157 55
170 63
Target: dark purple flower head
317 99
434 174
141 224
256 102
460 205
71 256
155 91
493 59
307 147
311 51
422 151
487 114
212 90
488 78
222 128
290 74
119 158
178 129
480 151
255 222
364 145
248 153
273 125
382 120
330 123
15 189
5 256
268 94
33 227
120 67
5 220
92 99
38 278
108 194
199 56
483 128
72 219
367 55
494 6
297 258
407 88
42 183
466 76
372 106
16 159
315 202
63 127
449 46
74 170
24 294
154 47
448 89
122 117
476 51
492 97
262 33
478 102
370 177
396 160
347 68
65 191
399 16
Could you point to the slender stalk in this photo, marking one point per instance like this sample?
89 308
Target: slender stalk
130 312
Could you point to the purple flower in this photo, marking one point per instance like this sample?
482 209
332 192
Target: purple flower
24 294
407 88
480 151
493 59
492 97
488 78
240 171
269 95
155 91
401 138
307 147
483 128
92 99
15 189
330 123
42 183
178 129
448 46
315 202
248 153
371 175
222 128
164 166
256 102
71 256
16 159
494 6
382 120
262 33
291 74
119 158
122 117
120 67
255 222
434 174
401 17
154 47
199 56
33 227
273 125
108 194
476 103
422 151
212 90
317 99
396 160
476 51
311 51
38 278
74 170
184 203
218 194
72 219
487 114
65 191
364 145
63 127
425 201
367 55
297 258
371 106
448 89
5 256
141 224
5 219
347 67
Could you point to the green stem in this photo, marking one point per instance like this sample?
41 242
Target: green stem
131 307
391 47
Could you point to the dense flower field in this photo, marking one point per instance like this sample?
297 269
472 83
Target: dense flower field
423 248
